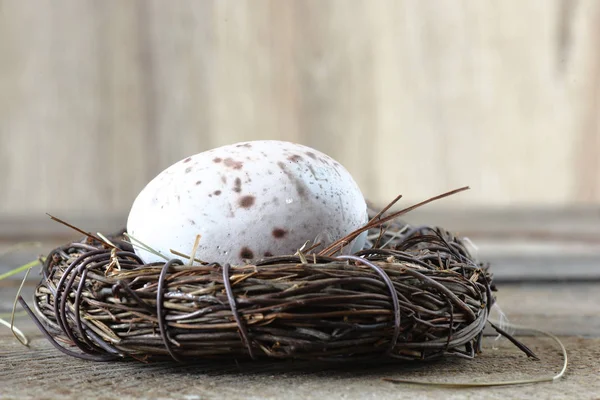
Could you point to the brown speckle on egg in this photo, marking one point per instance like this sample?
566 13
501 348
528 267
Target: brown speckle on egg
246 253
247 201
187 160
192 221
231 163
217 192
198 182
311 155
246 145
188 170
300 186
295 158
238 185
279 233
223 179
217 160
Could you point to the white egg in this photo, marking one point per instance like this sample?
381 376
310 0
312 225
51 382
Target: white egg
247 201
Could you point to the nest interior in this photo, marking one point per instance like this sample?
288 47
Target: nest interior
413 293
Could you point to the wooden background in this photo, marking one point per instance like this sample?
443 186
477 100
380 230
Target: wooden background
413 97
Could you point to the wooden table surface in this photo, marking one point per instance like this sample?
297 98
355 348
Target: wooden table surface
569 310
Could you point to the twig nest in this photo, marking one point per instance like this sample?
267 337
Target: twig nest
420 296
247 201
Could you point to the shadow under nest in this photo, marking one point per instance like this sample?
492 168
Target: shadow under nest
414 293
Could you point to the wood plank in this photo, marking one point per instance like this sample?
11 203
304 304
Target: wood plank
70 123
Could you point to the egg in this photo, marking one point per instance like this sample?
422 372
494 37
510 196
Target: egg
247 201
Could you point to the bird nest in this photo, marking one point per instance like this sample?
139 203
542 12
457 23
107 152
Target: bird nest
412 293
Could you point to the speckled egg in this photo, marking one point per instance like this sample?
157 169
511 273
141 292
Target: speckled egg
247 201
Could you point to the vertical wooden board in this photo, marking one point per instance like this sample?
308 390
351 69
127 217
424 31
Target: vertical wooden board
549 125
583 75
177 40
271 70
408 152
24 55
221 73
256 88
475 94
525 142
71 123
52 67
124 146
69 88
333 55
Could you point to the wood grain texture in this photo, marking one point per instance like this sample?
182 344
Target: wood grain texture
412 97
